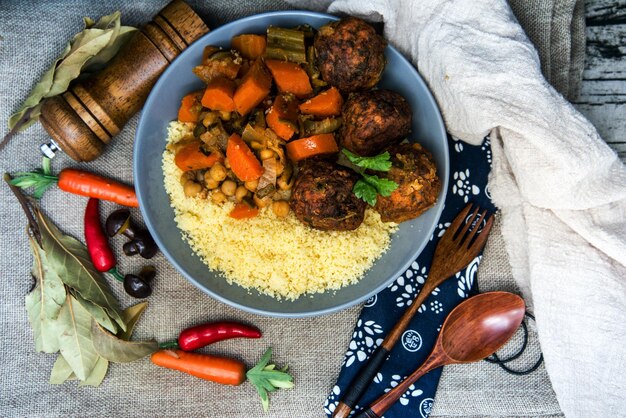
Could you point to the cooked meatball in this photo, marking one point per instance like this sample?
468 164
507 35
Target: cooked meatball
322 197
350 54
373 120
418 185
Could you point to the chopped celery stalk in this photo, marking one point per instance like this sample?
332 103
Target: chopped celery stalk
309 32
324 126
285 44
250 134
311 67
318 82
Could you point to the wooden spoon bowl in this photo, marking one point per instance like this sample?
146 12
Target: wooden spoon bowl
471 333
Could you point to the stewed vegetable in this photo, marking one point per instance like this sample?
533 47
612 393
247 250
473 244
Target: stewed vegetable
259 95
275 101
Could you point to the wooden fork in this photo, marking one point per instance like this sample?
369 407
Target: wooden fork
455 250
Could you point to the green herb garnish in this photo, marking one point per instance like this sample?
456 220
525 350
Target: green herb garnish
266 378
368 187
380 162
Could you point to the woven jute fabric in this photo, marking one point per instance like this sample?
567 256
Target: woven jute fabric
32 34
557 29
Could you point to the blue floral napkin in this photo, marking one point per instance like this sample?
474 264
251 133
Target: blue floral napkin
469 168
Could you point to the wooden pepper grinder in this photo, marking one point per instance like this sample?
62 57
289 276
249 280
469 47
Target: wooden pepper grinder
85 118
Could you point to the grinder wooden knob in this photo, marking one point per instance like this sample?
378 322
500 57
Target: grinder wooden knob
85 118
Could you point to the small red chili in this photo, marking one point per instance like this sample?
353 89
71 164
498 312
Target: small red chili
97 243
205 334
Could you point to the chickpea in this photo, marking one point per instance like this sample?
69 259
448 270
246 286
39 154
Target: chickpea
212 184
218 197
191 188
218 172
229 187
284 182
209 119
209 182
267 153
186 176
252 185
224 115
280 208
261 202
226 163
240 193
256 145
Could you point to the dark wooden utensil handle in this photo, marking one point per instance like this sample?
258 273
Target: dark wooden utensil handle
362 380
365 376
368 413
394 335
86 117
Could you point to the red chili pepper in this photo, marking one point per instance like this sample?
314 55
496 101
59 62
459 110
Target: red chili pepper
97 243
202 335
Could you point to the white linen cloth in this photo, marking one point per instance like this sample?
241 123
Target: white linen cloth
561 189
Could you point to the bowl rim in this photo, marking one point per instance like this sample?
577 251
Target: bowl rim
266 312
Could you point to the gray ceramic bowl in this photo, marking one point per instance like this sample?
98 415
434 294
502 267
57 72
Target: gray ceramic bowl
162 107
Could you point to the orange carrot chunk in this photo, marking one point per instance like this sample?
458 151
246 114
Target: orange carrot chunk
242 210
290 78
309 147
282 117
193 157
250 46
254 87
190 108
222 370
327 103
219 95
242 160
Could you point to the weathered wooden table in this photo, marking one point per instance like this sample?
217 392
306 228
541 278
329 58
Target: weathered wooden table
603 96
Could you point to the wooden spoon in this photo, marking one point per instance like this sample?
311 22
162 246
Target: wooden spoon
475 329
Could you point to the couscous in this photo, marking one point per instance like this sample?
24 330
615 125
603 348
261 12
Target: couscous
278 256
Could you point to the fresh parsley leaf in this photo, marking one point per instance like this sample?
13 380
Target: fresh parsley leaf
365 191
384 187
266 378
380 162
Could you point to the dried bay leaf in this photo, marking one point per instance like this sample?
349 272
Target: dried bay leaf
70 259
117 350
97 313
33 101
44 302
131 316
99 61
53 290
69 68
121 35
75 338
44 330
97 374
61 371
93 47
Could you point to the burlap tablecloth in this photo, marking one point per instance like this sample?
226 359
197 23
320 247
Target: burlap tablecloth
32 35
